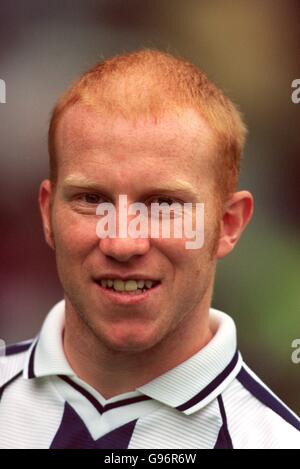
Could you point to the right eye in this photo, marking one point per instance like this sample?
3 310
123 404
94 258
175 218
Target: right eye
90 198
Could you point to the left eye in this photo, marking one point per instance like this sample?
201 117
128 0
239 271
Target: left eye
163 200
91 198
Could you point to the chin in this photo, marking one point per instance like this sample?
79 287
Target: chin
130 341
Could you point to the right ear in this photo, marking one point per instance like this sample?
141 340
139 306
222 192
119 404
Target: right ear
45 198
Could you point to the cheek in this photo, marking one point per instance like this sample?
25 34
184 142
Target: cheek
74 234
180 253
192 271
172 249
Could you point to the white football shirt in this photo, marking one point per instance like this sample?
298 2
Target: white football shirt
212 400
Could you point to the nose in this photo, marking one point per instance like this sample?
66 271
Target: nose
119 244
123 249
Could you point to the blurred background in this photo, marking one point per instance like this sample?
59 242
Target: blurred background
250 49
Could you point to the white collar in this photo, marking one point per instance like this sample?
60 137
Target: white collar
187 387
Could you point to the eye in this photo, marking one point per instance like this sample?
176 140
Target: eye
163 200
90 198
165 209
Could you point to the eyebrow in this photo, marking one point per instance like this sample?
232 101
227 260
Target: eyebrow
79 181
178 185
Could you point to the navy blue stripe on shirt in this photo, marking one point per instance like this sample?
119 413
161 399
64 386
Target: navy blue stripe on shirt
17 348
101 409
211 386
73 434
264 396
31 362
3 387
224 439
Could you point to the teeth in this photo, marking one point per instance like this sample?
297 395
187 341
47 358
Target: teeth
130 286
119 285
136 292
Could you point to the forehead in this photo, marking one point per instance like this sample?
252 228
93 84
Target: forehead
174 142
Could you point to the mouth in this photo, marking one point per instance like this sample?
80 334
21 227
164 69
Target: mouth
129 291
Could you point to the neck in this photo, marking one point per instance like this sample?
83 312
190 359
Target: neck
116 372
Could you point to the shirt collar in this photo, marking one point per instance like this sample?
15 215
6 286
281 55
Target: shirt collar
200 379
46 355
187 387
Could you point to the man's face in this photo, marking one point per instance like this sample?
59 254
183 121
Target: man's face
100 158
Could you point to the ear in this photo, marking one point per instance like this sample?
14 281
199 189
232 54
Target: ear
238 213
45 199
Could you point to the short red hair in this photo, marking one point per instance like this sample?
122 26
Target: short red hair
151 83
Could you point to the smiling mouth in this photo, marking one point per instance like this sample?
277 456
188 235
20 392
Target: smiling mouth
130 287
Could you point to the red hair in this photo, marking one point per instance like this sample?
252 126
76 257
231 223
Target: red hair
151 83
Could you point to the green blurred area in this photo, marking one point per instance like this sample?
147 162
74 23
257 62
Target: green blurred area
258 284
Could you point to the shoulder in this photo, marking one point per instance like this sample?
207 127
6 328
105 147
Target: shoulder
12 362
256 417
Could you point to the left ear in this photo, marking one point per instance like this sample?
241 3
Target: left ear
237 214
